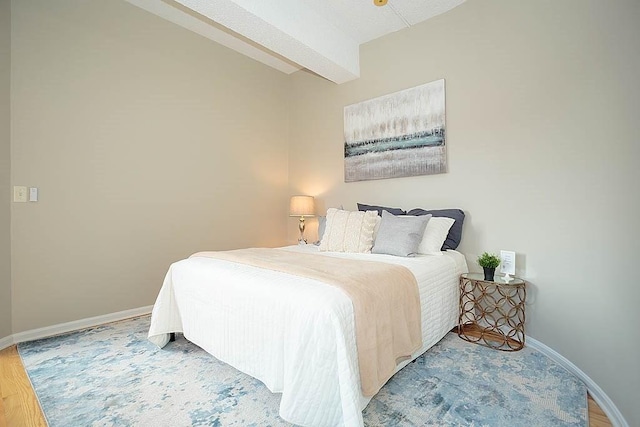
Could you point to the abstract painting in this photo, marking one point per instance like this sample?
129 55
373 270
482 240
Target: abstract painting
397 135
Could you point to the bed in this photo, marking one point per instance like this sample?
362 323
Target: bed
295 334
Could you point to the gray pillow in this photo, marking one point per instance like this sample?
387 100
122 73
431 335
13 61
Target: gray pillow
380 209
400 235
455 232
322 225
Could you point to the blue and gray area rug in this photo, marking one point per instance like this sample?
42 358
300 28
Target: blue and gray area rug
112 376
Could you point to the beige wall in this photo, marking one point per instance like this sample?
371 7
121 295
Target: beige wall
5 169
147 143
542 103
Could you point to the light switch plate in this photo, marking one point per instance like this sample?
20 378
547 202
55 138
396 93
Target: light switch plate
33 194
19 193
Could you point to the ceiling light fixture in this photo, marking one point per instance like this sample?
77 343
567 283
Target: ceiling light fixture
379 2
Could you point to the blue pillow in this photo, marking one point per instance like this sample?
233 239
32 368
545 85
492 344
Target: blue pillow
394 211
455 232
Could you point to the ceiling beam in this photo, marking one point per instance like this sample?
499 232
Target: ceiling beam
290 29
208 29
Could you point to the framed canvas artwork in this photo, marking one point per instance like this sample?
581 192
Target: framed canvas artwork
397 135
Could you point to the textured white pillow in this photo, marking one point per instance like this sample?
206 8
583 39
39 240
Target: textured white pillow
349 231
434 235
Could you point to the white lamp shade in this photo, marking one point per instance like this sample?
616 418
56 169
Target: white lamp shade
301 206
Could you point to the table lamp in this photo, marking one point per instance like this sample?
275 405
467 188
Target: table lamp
301 206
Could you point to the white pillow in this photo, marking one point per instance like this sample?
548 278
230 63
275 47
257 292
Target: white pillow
434 235
349 231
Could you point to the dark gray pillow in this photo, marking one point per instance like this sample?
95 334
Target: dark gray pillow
400 235
455 232
395 211
322 225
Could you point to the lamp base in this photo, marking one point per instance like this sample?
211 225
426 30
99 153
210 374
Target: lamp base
301 240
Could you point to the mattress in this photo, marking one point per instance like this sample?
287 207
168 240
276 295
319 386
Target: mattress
294 334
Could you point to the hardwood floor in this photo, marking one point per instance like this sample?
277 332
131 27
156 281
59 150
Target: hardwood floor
597 418
19 406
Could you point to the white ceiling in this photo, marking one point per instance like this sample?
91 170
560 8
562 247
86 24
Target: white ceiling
323 36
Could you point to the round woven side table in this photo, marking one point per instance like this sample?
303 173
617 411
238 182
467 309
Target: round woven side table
492 312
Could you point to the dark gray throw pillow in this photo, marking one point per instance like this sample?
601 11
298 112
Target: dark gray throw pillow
400 235
455 232
322 225
395 211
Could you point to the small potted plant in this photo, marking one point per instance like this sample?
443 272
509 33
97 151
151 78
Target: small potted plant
488 262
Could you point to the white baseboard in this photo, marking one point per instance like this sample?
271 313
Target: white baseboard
6 342
61 328
601 398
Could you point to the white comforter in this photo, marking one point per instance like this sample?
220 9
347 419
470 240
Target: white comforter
296 335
